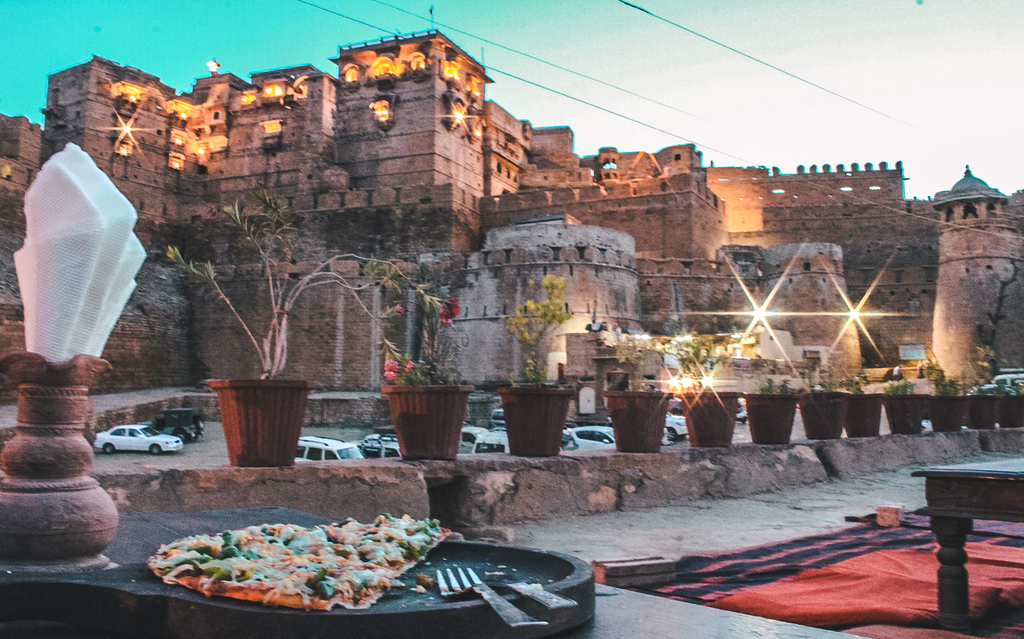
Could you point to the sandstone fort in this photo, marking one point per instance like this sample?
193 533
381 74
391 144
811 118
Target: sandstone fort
400 155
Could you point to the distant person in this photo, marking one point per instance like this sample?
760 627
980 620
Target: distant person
920 369
897 374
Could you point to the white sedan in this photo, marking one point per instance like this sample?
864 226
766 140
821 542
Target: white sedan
136 437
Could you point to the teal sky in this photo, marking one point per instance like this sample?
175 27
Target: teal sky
950 70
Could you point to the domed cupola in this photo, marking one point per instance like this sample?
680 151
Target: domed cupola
967 197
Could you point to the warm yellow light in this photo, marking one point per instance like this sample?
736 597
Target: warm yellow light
706 381
126 128
474 86
248 98
417 62
125 149
686 382
450 69
273 90
131 92
183 115
854 314
351 74
760 314
177 139
201 151
382 67
381 111
271 126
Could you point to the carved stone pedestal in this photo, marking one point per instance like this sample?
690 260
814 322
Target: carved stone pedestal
54 517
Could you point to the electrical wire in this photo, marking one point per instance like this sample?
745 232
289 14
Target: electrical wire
543 61
342 15
762 62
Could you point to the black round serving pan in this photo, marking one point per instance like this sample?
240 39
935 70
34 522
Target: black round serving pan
132 602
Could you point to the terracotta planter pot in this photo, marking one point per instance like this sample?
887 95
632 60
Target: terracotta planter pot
262 419
824 414
1011 412
948 413
983 411
771 417
905 413
638 418
534 419
710 418
863 415
428 419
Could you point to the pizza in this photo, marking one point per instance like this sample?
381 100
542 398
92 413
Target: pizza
349 565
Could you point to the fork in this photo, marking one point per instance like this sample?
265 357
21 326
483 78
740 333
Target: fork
511 615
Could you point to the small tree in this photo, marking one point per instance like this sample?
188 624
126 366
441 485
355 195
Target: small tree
271 232
531 323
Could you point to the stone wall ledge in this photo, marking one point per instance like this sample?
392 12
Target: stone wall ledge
482 491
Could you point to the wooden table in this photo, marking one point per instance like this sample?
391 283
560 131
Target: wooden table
956 496
618 614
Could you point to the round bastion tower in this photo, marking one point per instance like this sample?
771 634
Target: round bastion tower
979 300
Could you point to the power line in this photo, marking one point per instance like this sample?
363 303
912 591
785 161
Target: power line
617 114
543 61
342 15
549 89
762 62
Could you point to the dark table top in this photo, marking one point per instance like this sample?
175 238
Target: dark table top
1011 470
619 613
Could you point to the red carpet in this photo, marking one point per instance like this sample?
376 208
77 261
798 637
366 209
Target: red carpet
892 587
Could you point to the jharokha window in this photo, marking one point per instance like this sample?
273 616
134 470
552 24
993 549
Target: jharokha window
417 62
383 67
351 73
450 70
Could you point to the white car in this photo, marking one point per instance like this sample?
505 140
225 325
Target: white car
492 441
325 449
380 446
675 427
470 435
136 437
588 438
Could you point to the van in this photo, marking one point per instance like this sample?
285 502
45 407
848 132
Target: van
325 449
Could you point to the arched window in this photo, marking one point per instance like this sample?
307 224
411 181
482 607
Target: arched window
351 73
417 61
970 211
949 213
383 67
990 209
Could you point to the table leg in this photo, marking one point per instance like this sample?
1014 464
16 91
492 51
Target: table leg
954 598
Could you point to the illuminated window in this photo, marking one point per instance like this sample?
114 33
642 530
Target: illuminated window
351 73
478 129
450 70
176 161
130 92
381 112
125 149
417 62
273 91
178 138
248 97
271 126
474 85
182 109
383 67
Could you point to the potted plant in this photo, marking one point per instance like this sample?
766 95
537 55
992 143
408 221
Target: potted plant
770 412
904 409
863 410
262 417
824 410
1011 410
427 403
534 413
710 414
638 414
948 406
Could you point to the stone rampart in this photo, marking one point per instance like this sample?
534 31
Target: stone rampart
481 491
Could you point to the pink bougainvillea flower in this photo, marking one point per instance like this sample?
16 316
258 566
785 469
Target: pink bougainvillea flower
390 375
449 311
391 366
399 309
409 366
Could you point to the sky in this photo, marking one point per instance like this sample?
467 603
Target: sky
945 75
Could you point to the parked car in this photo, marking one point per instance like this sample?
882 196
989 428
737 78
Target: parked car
136 437
492 441
325 449
470 434
675 427
184 423
498 418
741 414
588 438
380 446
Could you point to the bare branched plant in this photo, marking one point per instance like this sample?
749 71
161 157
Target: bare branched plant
271 232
